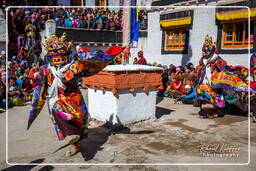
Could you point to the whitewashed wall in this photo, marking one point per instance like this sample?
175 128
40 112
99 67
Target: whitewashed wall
89 2
113 3
152 47
237 59
203 23
108 107
2 46
2 34
64 2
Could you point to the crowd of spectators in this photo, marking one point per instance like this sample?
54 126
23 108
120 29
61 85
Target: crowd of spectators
100 19
88 18
24 46
181 82
24 49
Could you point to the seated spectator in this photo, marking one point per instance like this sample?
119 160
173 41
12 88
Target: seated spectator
27 89
83 22
14 94
2 58
135 61
176 88
165 79
2 96
68 23
189 98
142 60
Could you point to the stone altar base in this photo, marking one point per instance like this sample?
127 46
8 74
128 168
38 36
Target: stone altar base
123 94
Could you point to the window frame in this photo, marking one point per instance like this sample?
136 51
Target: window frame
176 46
234 44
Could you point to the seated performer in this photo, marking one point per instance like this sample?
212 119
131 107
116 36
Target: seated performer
57 82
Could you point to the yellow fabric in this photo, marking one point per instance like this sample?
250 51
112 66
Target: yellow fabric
240 14
18 101
175 22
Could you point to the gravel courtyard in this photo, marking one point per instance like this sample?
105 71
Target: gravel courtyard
175 136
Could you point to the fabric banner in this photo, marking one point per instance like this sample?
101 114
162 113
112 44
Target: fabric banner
134 24
236 14
175 22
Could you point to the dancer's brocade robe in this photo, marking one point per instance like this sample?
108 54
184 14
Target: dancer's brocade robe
59 88
205 92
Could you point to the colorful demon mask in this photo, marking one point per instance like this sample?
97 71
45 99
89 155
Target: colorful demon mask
209 47
58 49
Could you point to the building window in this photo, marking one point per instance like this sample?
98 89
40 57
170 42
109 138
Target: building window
102 3
76 2
235 35
175 39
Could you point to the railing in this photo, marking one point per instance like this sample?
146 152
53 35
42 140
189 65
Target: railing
93 36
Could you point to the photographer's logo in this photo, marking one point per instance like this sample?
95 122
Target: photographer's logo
219 150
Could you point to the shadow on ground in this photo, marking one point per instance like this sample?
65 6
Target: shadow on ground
160 111
97 137
29 167
235 110
159 99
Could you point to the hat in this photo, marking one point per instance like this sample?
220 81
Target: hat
178 69
209 46
3 52
140 52
187 87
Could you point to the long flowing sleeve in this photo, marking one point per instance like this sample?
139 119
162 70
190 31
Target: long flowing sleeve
39 94
93 62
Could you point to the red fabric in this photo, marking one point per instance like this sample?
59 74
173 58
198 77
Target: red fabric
219 64
252 70
177 85
114 50
201 61
142 61
253 85
31 76
140 52
16 65
83 49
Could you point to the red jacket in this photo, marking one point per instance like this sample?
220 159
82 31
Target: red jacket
178 86
142 61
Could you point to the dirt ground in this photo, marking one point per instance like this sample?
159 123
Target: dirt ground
174 137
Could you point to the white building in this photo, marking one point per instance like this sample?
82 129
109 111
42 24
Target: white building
176 31
2 31
104 3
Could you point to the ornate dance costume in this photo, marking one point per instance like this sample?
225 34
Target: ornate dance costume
211 63
57 83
